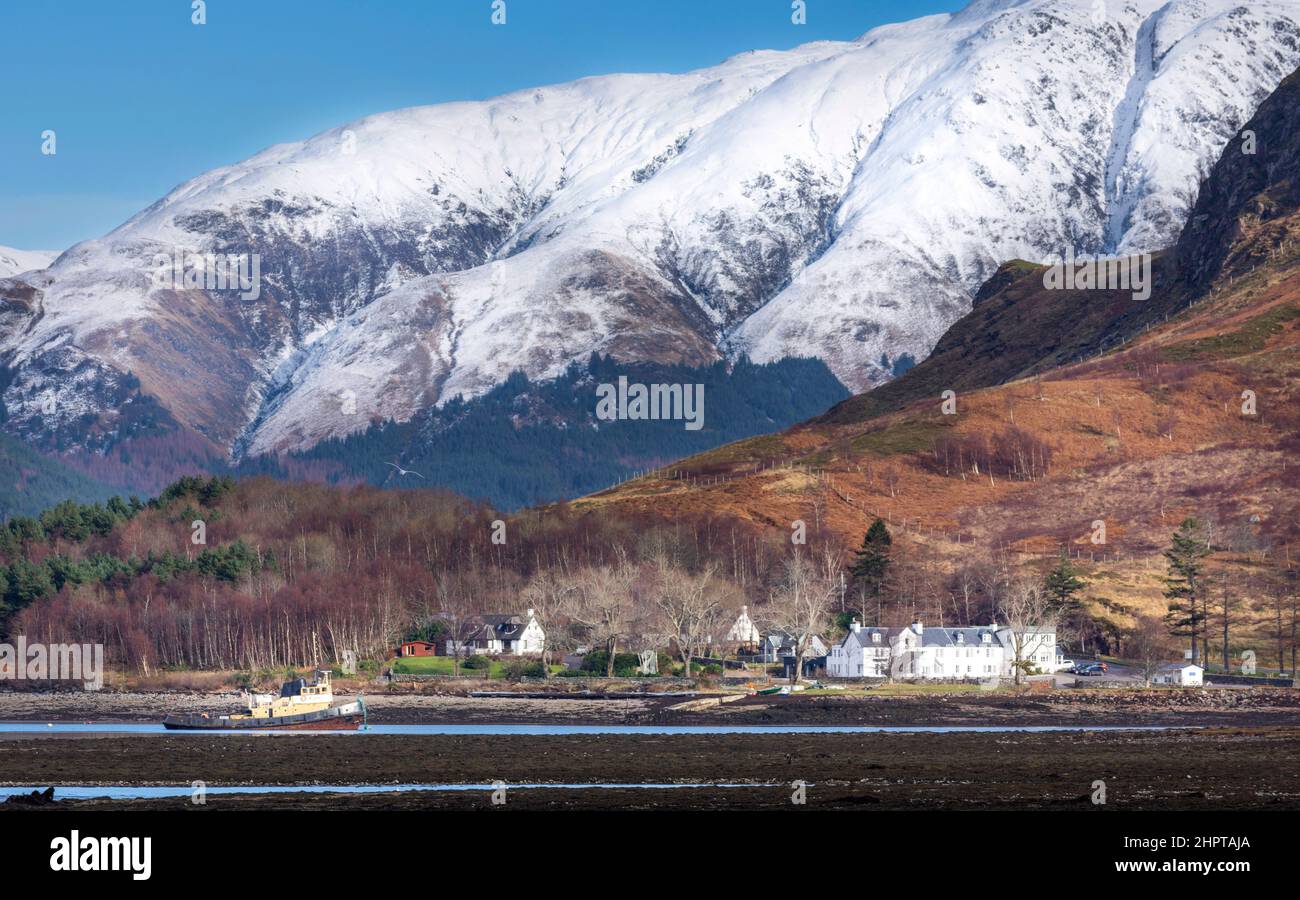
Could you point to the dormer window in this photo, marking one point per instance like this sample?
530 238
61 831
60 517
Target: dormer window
875 637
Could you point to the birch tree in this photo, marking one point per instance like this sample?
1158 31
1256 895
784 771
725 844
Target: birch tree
1028 614
603 604
692 606
800 605
548 593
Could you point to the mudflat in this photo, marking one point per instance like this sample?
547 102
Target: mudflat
1220 769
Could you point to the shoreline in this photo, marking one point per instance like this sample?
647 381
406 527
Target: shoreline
1256 707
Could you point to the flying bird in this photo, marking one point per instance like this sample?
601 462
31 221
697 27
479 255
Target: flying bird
401 471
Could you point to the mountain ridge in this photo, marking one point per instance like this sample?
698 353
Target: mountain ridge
15 262
843 200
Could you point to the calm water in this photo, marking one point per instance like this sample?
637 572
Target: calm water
133 792
152 728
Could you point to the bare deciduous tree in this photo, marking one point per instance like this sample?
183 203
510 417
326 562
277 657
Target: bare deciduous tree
1028 615
458 607
603 604
800 605
1150 645
692 606
548 593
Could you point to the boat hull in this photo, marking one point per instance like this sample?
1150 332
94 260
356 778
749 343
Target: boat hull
346 717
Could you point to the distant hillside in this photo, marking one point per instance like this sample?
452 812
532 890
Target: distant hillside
1019 328
526 443
30 482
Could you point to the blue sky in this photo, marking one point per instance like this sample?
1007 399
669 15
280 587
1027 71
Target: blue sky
140 99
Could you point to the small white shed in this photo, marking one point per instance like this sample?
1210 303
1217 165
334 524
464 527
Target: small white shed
1182 674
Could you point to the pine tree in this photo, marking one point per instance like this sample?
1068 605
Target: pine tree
1183 583
28 581
1063 586
870 564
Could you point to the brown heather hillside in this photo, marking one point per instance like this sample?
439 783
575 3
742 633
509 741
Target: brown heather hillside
1139 438
1053 432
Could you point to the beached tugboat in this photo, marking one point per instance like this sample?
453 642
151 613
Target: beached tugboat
302 704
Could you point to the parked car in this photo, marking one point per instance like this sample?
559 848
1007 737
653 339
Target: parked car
1095 669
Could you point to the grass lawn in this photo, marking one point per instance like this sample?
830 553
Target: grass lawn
442 665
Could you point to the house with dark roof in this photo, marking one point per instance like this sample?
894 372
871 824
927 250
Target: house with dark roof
776 645
780 647
495 634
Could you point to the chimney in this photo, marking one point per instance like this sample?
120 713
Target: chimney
744 610
530 612
855 626
918 627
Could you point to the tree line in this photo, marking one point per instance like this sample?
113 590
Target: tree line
294 574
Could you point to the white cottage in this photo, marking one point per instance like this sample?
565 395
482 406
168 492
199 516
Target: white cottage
743 631
980 652
864 653
1182 674
499 635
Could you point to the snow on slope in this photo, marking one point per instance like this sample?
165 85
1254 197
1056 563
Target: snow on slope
15 262
842 200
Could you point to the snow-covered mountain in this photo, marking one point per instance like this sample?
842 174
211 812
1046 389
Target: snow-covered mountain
15 262
841 200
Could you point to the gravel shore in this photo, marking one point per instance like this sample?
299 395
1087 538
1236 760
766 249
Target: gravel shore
1210 707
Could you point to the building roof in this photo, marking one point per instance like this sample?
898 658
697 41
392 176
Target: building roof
863 636
935 636
782 642
743 629
493 626
506 627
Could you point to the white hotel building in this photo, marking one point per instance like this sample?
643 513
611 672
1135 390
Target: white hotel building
918 652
